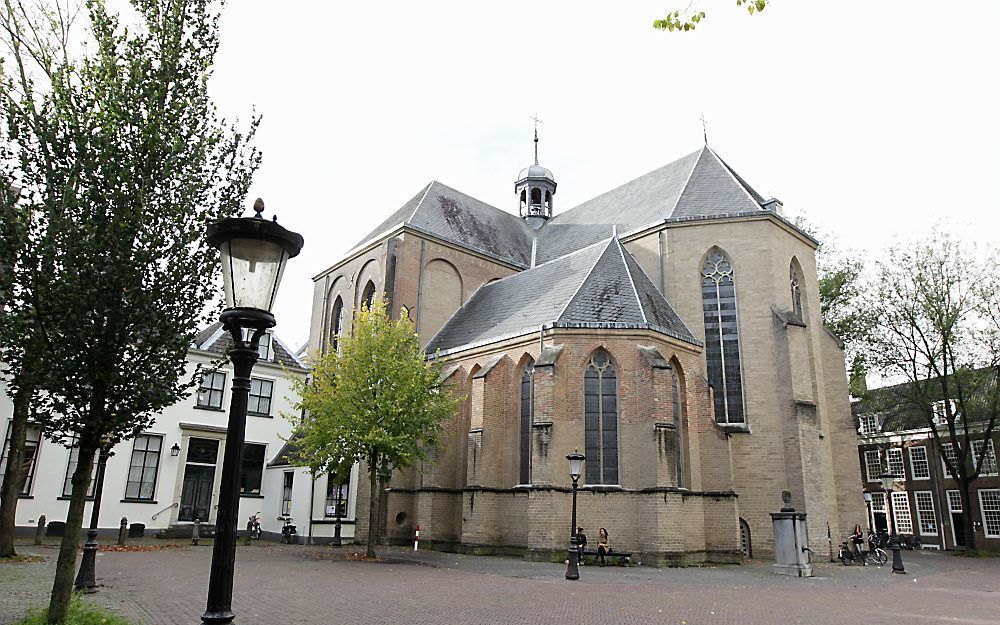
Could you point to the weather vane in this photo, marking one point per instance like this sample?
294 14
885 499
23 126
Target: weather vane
537 121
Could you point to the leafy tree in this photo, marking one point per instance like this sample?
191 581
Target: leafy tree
377 398
938 328
686 19
844 312
122 160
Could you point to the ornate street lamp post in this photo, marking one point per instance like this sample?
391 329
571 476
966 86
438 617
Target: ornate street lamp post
575 469
254 252
86 578
888 479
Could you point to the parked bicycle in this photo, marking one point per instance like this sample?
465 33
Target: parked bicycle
849 555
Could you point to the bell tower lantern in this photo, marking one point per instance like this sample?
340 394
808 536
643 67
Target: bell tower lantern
534 188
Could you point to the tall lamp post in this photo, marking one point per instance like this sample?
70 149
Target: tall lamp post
254 252
575 469
888 479
86 578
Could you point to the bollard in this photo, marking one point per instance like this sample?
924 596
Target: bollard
40 531
195 529
122 531
416 537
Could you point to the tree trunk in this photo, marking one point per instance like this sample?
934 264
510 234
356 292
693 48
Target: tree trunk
964 489
372 498
62 588
14 478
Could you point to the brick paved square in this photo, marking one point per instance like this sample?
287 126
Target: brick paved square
312 585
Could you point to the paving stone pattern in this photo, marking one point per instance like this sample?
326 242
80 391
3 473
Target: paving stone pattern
308 585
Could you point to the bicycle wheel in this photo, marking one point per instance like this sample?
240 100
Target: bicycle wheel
877 556
846 558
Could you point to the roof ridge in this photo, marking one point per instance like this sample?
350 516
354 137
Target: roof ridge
687 181
420 202
628 272
736 179
586 275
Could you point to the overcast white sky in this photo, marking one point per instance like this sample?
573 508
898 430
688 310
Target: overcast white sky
874 119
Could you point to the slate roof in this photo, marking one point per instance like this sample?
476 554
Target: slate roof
898 411
289 452
697 186
599 286
458 218
215 339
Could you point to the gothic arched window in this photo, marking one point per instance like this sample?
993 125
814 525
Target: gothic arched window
527 418
722 339
368 296
600 413
793 279
676 413
337 323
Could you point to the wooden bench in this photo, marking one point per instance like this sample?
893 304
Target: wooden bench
624 556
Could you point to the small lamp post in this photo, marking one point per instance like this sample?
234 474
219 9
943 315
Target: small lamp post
888 479
575 469
254 252
868 505
86 578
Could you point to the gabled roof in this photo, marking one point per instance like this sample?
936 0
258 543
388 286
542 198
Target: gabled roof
898 410
455 217
599 286
697 186
215 339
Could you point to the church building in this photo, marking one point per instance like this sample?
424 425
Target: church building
669 329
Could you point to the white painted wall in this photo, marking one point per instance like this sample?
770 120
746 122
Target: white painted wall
177 424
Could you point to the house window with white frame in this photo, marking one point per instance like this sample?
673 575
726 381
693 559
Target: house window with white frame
926 519
286 493
873 464
990 462
948 451
894 456
989 504
919 467
32 441
259 402
901 513
213 385
145 463
868 424
74 461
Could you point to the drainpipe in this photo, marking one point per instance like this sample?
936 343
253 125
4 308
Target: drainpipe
312 504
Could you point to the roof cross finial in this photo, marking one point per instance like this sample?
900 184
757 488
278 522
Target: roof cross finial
537 121
704 128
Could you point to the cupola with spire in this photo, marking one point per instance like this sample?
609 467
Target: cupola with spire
534 188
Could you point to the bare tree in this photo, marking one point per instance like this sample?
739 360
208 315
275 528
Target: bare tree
937 327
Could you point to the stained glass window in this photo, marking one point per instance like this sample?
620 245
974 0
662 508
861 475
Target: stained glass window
600 398
722 343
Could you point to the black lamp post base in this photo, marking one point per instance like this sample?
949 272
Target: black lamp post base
572 568
86 579
897 556
218 616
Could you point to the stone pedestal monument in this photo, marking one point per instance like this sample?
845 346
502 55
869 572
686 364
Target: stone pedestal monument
791 541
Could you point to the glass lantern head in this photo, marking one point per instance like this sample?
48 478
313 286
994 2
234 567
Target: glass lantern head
254 252
868 497
888 479
575 464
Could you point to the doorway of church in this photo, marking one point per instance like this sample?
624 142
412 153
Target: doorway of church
745 545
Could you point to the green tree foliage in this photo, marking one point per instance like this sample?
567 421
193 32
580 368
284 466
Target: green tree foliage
686 19
937 308
842 307
376 399
122 159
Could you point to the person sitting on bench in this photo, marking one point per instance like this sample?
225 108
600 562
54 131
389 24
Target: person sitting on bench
581 542
603 547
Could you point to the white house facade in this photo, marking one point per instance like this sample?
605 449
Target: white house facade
168 477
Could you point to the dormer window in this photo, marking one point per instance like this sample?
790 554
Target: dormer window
941 412
868 425
263 346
